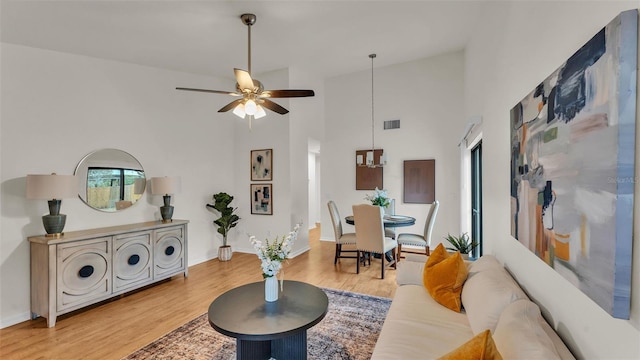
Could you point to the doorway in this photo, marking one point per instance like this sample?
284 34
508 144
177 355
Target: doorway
314 200
476 197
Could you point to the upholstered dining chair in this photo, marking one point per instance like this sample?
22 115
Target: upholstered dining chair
341 237
419 240
390 210
370 236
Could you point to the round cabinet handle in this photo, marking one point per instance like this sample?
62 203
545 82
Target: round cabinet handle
133 259
169 250
85 271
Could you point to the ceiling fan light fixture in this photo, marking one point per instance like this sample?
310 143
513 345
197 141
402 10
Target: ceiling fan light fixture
259 112
239 111
250 107
253 98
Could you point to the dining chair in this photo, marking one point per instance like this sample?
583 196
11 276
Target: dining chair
390 210
341 237
370 236
419 240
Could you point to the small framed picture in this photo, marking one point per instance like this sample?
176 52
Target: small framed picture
261 199
262 165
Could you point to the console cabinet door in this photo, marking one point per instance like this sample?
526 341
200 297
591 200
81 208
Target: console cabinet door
84 272
132 261
169 251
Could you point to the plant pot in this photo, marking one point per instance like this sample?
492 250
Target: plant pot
463 256
225 253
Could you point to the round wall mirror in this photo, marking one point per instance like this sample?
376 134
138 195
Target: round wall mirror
110 180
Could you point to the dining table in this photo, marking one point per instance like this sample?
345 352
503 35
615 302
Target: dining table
389 220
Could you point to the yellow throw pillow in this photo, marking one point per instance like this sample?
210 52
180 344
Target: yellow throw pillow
437 255
480 347
443 277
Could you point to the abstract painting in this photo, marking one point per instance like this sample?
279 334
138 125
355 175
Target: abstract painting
419 181
572 166
262 165
261 199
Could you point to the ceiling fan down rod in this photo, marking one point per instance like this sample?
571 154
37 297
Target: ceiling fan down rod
249 20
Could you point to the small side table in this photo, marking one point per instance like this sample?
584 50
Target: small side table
269 329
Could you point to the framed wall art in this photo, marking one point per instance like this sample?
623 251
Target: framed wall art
262 165
573 166
261 199
419 181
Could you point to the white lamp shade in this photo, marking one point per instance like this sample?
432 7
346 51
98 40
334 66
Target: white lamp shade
369 157
239 111
259 112
47 187
250 107
165 185
383 158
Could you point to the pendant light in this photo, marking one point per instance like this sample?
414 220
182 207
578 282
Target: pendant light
370 157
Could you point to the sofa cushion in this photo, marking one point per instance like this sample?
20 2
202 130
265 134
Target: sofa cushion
485 262
444 276
486 294
410 272
480 347
417 327
519 333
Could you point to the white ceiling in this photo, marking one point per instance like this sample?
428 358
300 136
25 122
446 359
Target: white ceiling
327 38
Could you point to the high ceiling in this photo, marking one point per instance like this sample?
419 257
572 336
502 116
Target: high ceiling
327 38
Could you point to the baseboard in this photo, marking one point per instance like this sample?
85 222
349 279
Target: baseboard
327 239
16 319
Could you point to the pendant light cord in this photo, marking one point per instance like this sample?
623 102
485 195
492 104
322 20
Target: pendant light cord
372 56
249 49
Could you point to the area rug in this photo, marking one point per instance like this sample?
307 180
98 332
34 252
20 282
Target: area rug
349 331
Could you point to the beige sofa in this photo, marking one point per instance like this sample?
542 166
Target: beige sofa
417 327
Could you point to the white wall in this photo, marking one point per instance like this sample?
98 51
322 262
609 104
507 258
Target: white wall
58 107
426 95
287 135
518 45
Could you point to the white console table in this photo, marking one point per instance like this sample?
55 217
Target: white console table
84 267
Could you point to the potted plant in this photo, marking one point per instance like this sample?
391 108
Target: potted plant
462 244
225 222
379 198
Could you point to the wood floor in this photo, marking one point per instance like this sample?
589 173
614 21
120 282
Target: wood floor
116 328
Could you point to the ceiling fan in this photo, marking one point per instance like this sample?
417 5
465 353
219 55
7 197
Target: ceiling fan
253 97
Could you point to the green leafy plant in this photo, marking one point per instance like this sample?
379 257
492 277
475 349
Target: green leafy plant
378 198
227 219
461 243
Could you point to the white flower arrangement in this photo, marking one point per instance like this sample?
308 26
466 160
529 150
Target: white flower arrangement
379 198
273 253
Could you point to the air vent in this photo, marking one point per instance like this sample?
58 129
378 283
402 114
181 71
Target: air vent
392 124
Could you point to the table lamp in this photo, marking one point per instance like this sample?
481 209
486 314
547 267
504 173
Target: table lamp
52 188
164 186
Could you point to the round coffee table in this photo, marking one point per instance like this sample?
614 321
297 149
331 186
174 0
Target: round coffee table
269 329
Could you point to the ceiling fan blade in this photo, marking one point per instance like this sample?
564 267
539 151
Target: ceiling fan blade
244 80
287 93
273 106
210 91
231 105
